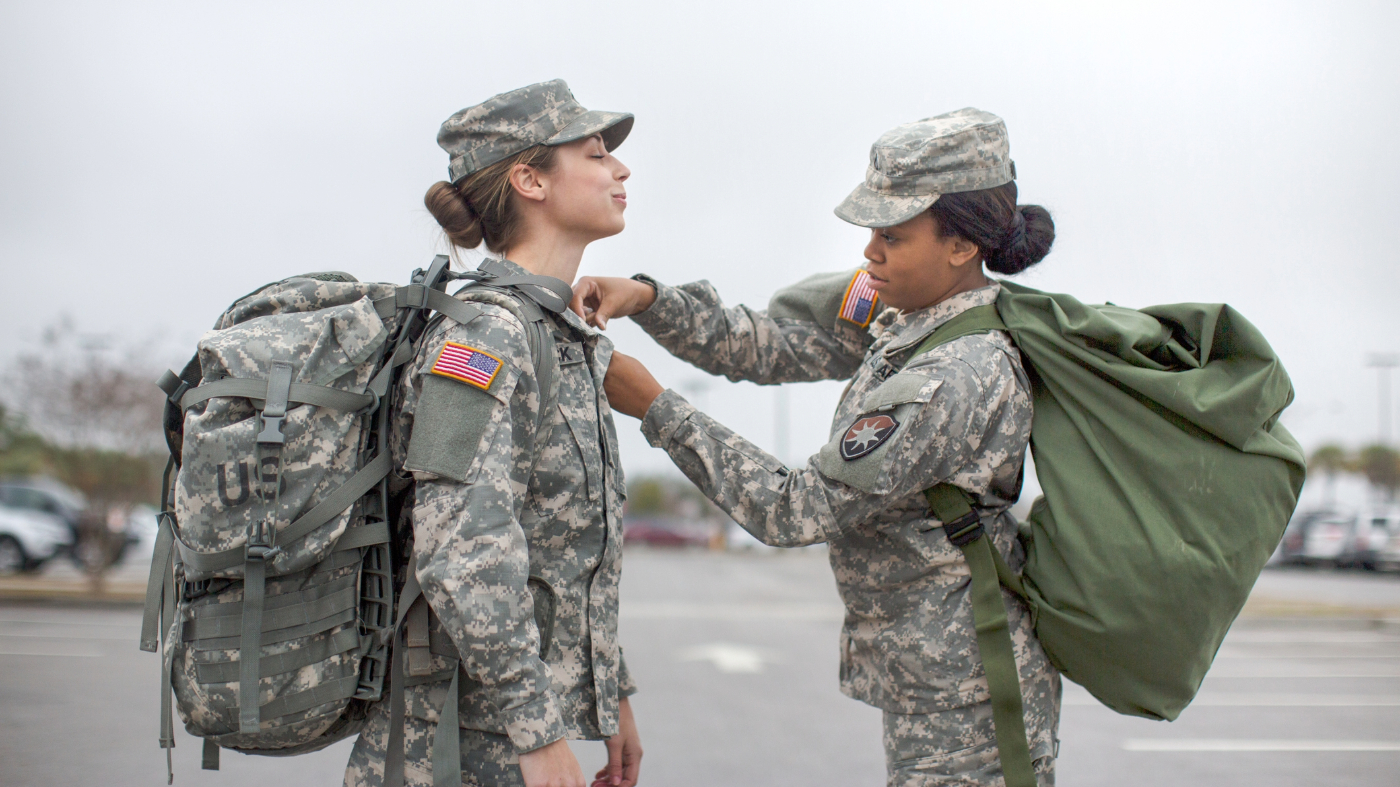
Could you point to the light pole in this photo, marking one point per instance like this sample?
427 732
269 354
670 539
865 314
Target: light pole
1383 363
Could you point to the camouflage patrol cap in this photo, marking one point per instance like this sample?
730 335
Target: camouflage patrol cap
913 164
541 114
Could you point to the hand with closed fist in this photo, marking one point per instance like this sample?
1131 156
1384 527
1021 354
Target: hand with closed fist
598 299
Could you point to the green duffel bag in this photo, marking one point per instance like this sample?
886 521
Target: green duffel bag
1167 480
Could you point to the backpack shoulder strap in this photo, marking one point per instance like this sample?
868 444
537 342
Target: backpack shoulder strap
538 334
978 319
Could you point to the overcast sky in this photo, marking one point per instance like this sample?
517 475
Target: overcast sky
161 159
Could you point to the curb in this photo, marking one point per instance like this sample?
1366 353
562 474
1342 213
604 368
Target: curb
71 592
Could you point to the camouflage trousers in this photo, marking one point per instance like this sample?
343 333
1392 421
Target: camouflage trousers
958 747
488 760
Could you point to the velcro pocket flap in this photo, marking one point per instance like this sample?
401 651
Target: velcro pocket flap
448 425
902 388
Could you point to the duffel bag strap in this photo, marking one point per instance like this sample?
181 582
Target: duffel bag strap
951 506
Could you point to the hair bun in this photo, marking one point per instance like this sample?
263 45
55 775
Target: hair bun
1028 240
454 214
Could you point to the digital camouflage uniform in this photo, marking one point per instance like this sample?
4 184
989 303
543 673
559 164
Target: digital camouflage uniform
963 415
513 507
498 503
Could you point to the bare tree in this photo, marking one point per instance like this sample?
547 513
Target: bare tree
79 391
96 416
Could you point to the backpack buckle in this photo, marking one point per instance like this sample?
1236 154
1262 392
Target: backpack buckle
964 530
260 543
272 430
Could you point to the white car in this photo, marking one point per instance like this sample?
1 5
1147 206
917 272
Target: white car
1327 538
1370 538
28 538
1388 553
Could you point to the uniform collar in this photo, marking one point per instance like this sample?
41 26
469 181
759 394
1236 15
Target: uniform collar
910 328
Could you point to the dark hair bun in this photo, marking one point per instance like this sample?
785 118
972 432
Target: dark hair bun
1027 241
454 214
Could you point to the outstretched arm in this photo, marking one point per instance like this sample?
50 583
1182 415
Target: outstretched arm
802 335
921 427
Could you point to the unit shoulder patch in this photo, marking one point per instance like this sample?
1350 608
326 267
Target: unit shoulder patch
466 364
858 305
866 434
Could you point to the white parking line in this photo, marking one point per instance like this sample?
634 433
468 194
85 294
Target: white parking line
1222 745
1306 656
680 610
1305 638
65 622
48 654
29 635
1302 675
1242 700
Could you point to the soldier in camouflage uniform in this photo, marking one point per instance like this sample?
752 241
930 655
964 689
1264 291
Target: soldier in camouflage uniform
959 413
515 503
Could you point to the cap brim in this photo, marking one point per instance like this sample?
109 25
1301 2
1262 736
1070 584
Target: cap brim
866 207
614 126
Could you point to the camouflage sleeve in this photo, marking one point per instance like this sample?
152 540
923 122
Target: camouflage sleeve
626 687
470 452
800 337
941 421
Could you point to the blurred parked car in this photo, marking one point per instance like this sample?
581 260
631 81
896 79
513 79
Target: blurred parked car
46 496
1326 538
29 538
1370 538
1389 559
660 533
1290 547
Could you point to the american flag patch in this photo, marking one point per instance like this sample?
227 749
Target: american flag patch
859 304
468 364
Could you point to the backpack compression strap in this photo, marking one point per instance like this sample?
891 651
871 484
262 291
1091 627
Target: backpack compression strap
953 507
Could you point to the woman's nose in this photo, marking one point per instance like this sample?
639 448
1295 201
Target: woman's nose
873 252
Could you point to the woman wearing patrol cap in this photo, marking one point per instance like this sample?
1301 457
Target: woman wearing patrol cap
940 199
516 505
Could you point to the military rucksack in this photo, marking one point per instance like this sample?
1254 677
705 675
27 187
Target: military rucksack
1167 479
271 592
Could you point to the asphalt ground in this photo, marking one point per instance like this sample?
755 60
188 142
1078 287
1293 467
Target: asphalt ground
736 658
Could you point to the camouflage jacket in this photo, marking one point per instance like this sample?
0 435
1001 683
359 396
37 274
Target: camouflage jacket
499 503
960 413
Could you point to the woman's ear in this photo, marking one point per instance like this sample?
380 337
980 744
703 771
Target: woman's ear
962 252
527 182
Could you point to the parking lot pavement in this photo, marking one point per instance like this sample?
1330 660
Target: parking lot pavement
736 658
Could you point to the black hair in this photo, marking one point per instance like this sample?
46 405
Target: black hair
1011 237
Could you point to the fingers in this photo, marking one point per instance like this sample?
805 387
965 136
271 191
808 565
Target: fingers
611 303
613 771
631 770
584 290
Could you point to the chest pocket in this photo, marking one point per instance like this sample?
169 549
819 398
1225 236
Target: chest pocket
578 403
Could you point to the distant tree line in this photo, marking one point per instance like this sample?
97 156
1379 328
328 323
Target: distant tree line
657 496
1380 464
